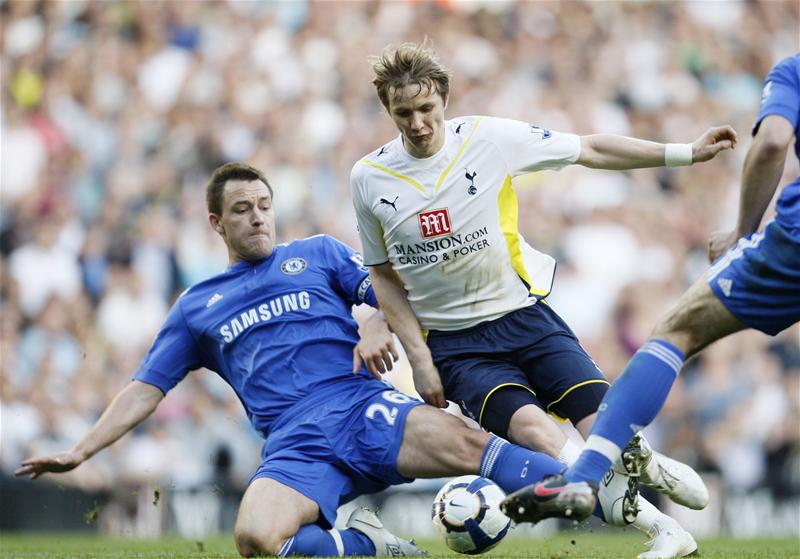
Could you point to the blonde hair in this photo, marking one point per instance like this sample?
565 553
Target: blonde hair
409 64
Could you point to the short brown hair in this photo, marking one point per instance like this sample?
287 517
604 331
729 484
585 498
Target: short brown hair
230 172
409 63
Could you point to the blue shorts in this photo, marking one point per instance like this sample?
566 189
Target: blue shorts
758 279
339 443
531 348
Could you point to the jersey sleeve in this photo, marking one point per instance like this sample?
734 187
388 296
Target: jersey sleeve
349 275
527 148
781 93
369 227
173 354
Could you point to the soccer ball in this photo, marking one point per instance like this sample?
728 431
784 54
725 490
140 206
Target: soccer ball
466 511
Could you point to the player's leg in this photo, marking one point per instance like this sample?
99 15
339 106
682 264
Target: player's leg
752 285
572 387
638 394
436 444
289 509
517 415
478 374
275 519
269 515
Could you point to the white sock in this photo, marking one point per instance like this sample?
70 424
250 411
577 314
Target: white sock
648 516
569 453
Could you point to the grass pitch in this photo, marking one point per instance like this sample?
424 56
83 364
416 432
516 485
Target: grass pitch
564 546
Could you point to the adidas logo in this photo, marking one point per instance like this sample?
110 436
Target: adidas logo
215 298
725 285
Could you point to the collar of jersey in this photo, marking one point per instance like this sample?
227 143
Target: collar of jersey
427 162
242 265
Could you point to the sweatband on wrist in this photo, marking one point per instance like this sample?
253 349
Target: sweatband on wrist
678 155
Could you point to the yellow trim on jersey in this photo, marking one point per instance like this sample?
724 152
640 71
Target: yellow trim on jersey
425 333
495 389
388 171
509 213
458 155
570 389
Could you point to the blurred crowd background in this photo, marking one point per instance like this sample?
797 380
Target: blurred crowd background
114 114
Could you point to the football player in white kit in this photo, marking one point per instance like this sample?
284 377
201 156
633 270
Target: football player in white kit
463 290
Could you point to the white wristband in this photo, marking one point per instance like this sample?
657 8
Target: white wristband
678 155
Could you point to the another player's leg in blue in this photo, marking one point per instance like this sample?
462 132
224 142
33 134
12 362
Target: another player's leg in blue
636 397
753 285
631 403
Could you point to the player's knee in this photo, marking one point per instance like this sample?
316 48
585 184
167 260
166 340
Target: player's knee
469 446
539 436
253 543
532 428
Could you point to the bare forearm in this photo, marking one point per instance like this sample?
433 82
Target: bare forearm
129 408
762 173
608 151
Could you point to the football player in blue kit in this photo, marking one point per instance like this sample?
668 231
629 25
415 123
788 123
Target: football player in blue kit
277 327
753 282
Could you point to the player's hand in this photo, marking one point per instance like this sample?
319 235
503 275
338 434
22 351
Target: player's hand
720 242
713 141
429 384
376 347
55 463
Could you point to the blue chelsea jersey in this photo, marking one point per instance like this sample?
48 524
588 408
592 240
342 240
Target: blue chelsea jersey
781 96
277 330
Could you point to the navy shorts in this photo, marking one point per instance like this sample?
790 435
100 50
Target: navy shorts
758 279
339 445
532 349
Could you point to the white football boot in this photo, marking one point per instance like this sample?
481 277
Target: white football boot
669 477
386 543
668 541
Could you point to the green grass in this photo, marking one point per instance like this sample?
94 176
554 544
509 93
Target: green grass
578 545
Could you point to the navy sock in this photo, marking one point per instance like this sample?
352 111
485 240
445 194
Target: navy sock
632 402
513 467
313 541
356 543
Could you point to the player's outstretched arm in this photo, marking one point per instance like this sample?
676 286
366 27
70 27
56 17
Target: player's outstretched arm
393 300
609 151
762 172
376 347
129 408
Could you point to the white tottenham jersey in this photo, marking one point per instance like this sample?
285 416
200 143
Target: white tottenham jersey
448 223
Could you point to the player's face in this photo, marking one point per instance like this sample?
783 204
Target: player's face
419 115
247 223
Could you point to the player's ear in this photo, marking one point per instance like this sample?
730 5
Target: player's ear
445 99
216 224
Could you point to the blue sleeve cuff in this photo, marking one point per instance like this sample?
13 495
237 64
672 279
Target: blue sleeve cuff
155 379
370 298
776 110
